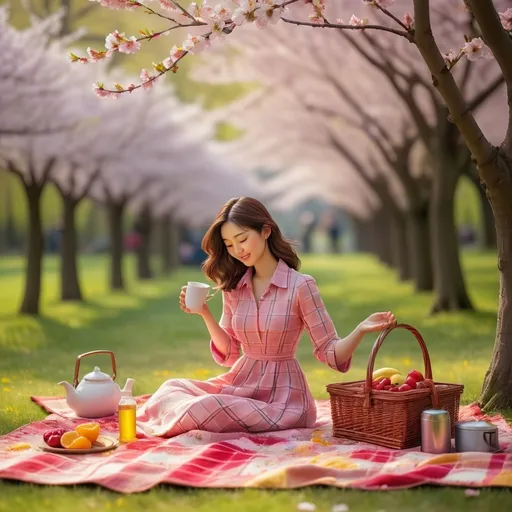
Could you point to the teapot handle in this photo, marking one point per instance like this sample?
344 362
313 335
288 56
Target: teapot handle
77 364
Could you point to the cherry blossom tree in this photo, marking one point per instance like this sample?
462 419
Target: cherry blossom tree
40 106
98 150
330 159
306 63
415 26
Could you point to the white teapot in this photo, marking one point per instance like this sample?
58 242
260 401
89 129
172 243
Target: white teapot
97 395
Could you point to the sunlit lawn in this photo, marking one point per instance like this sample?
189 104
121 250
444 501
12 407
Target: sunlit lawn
153 340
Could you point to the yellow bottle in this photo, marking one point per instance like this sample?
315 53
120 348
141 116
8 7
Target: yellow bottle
127 410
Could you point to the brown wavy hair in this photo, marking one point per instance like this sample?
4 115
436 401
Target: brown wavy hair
245 212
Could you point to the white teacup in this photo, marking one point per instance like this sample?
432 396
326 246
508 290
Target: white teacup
196 295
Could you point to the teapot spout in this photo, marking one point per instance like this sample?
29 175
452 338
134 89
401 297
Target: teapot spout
71 395
128 386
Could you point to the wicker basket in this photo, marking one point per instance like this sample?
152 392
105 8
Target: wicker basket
389 419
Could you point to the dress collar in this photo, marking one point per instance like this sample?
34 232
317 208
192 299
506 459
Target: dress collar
279 279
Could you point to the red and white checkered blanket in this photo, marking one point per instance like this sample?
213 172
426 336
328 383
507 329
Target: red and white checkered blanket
287 459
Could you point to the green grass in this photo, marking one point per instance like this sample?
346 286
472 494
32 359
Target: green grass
153 340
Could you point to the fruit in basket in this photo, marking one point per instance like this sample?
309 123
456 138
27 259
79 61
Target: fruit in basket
404 387
384 372
411 382
52 437
416 375
421 385
397 379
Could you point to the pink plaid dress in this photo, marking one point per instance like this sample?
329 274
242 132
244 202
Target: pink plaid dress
265 389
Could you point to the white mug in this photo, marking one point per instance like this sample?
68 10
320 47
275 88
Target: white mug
196 295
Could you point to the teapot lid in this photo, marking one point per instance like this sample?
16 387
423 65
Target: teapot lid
97 376
476 425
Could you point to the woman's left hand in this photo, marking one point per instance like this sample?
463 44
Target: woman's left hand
377 322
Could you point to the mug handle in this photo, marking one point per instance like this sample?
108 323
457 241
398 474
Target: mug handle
209 297
488 442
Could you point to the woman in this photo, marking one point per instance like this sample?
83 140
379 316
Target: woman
267 304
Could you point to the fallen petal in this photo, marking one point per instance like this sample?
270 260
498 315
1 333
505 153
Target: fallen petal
306 507
471 493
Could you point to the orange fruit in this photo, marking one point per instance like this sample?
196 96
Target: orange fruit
68 437
80 443
89 430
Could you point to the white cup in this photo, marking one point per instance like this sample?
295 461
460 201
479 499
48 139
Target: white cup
196 295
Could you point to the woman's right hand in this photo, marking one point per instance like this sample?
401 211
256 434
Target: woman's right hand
184 308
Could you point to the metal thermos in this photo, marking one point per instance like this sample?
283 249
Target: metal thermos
435 431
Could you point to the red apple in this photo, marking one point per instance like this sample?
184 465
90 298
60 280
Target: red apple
387 388
393 389
404 387
416 375
421 385
379 387
385 381
411 382
52 437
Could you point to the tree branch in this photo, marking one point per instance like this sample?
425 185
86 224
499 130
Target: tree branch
494 35
389 72
326 24
47 170
88 185
445 83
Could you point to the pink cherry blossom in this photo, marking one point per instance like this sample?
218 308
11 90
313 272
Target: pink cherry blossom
357 22
315 19
146 79
96 56
222 13
100 91
177 52
217 28
113 40
506 19
244 12
408 20
130 45
449 57
476 48
269 12
117 4
195 44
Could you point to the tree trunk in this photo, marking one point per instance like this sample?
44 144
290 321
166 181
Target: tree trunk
488 238
420 254
169 245
399 245
10 237
143 227
449 286
381 234
361 234
497 387
70 285
35 247
115 217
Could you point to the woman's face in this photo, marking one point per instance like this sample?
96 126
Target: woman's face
244 244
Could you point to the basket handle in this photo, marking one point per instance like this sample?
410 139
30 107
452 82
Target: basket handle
378 343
